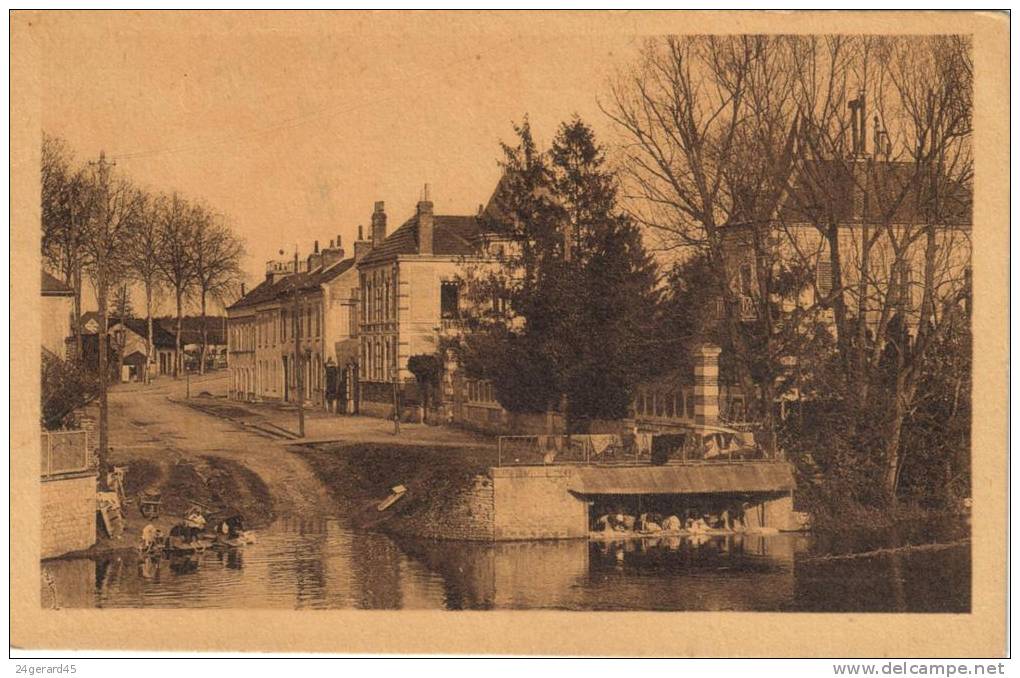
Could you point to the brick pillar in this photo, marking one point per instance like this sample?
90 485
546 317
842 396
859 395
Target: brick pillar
706 384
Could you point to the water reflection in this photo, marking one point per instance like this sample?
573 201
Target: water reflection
319 564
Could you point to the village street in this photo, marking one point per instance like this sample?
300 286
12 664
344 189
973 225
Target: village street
153 422
146 423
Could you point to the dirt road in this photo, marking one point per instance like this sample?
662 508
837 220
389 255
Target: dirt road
145 423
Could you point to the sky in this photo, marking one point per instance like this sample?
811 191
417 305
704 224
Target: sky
294 125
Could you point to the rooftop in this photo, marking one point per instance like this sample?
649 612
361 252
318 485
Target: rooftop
823 190
268 290
52 287
453 236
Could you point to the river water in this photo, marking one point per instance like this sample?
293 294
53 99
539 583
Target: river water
323 564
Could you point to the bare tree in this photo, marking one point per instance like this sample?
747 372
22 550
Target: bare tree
67 204
740 145
143 257
174 261
710 126
106 240
216 254
909 189
120 308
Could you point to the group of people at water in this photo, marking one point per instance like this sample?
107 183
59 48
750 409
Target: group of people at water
194 533
692 522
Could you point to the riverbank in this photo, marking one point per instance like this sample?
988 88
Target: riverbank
359 476
214 483
839 516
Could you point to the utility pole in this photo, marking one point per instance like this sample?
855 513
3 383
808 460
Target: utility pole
102 289
298 381
396 401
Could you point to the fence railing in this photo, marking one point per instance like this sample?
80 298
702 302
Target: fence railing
627 449
531 450
64 452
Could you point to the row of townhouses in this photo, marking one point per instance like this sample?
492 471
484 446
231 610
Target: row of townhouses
359 318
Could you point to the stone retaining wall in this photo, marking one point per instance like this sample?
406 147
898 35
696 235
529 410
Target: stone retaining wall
68 513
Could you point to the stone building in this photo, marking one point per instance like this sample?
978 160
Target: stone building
129 338
410 285
876 214
301 317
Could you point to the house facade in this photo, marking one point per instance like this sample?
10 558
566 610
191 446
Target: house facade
300 318
57 309
883 218
410 298
128 338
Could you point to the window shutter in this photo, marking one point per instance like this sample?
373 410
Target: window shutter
823 275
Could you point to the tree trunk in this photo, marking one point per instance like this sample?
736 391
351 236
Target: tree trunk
103 452
121 343
205 338
77 316
902 394
178 357
148 321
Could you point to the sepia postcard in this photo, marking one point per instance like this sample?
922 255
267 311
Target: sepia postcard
637 333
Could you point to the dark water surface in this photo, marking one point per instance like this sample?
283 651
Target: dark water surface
322 564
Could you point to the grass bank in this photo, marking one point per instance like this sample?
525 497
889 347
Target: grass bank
359 475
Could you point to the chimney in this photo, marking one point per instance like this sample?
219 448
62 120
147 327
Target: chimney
706 384
316 249
332 255
242 290
426 224
361 246
378 223
276 270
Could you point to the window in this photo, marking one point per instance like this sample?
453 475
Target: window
449 300
364 296
500 303
746 279
901 287
377 312
823 277
689 404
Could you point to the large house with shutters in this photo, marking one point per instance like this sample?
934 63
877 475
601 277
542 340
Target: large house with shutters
877 215
411 297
